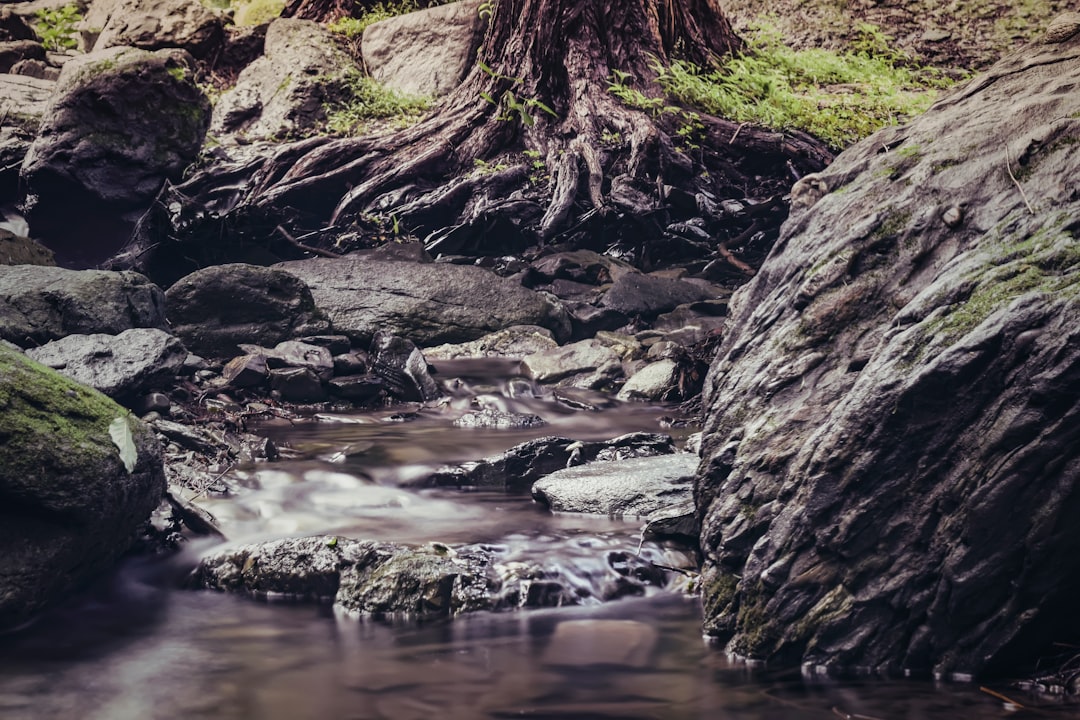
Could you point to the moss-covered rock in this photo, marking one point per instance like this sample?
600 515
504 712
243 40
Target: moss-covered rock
898 395
68 505
122 121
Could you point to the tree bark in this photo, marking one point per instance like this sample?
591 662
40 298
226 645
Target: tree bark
593 163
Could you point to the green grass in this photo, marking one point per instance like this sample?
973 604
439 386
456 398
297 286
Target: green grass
364 100
352 27
839 97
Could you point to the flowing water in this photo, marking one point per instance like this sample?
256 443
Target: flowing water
138 647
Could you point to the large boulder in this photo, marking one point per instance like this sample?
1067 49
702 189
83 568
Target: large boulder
428 303
122 121
284 93
220 307
23 103
427 52
40 304
121 366
69 505
891 464
153 25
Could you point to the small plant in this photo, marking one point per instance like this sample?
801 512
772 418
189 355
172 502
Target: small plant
364 100
537 167
56 28
510 107
483 167
353 27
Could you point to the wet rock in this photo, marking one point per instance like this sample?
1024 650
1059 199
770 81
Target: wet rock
363 577
152 25
512 342
71 507
402 368
298 384
632 487
122 121
585 364
245 371
426 52
647 296
23 102
522 465
890 457
216 309
357 388
121 366
295 354
429 303
353 363
336 344
652 382
494 419
284 92
47 303
581 266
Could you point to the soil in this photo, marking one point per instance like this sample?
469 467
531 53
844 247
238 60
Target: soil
957 35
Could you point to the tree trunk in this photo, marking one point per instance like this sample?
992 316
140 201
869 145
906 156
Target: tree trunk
559 154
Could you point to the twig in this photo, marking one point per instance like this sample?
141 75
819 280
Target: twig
999 696
851 716
306 248
737 131
1008 169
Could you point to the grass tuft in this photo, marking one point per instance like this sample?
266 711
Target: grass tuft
364 100
839 97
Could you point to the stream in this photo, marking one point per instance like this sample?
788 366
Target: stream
137 646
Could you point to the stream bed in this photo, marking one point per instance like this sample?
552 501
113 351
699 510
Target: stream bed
138 646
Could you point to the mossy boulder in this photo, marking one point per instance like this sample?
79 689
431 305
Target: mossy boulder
891 456
68 505
121 123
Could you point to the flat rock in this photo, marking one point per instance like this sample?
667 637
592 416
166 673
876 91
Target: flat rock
429 303
646 296
120 366
634 487
585 364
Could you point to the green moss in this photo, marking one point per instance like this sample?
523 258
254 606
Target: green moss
43 413
258 12
756 636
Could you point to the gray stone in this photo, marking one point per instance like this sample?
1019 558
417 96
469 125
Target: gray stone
39 304
366 578
71 507
283 93
402 368
584 364
14 51
491 418
245 371
298 384
651 382
890 464
357 388
216 309
295 354
120 366
512 342
426 52
522 465
647 296
24 100
152 25
19 250
633 487
122 122
429 303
